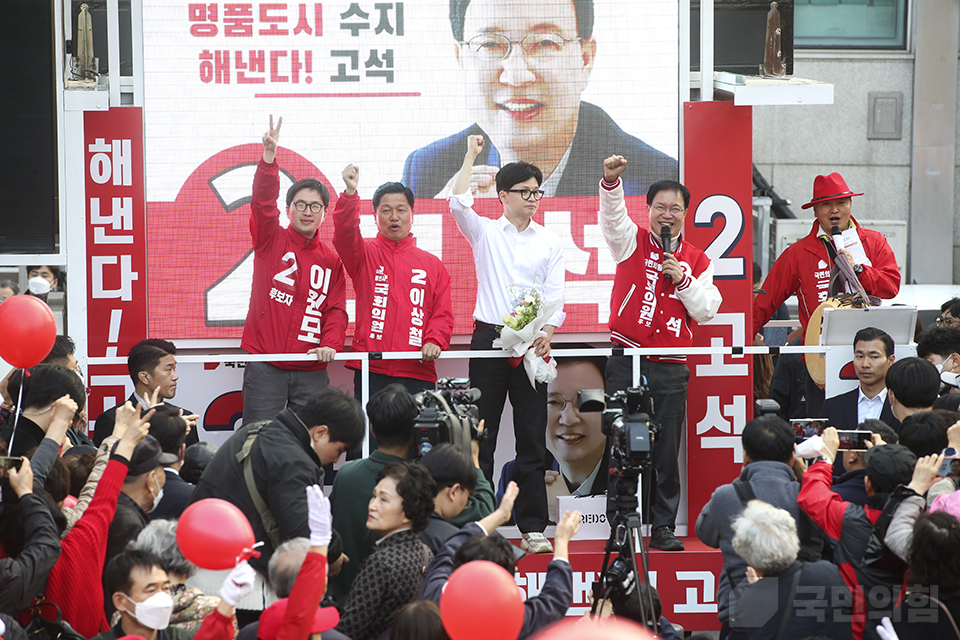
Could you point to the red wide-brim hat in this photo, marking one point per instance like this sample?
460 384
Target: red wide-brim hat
829 187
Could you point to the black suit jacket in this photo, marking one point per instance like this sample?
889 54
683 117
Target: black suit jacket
428 170
841 410
176 497
106 420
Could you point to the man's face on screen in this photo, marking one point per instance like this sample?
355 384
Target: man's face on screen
525 69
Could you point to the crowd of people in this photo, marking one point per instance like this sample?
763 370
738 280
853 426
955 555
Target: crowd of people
828 543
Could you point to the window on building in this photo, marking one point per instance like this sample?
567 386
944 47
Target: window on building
850 24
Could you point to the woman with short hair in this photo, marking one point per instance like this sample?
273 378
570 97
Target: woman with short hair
389 578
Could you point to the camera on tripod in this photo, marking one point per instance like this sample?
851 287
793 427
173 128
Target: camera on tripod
626 421
449 414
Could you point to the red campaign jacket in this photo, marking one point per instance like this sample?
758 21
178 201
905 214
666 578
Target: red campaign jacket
74 582
646 309
804 268
403 294
298 300
850 526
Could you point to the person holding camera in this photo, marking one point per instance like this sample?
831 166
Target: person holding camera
660 293
392 413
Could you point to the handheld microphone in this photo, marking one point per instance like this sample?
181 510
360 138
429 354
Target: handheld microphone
837 237
665 240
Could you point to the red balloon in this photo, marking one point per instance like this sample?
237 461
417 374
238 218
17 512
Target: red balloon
211 533
27 331
593 629
481 602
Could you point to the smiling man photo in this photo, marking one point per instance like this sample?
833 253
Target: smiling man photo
525 65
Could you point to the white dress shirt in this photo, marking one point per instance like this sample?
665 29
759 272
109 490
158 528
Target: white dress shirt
505 257
870 408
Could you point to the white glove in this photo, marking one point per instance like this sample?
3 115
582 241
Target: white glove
318 517
238 585
885 630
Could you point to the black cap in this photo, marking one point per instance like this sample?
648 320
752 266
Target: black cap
198 456
889 465
147 456
79 450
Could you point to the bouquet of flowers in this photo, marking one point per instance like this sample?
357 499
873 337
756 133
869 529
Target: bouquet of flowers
526 308
522 327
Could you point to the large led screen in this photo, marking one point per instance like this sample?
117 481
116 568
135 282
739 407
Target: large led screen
395 88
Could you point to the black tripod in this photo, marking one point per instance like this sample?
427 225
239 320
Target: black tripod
625 532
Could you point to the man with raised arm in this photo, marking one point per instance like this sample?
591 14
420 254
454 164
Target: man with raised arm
298 299
513 255
403 292
480 541
660 294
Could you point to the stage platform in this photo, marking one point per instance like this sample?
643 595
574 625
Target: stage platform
686 580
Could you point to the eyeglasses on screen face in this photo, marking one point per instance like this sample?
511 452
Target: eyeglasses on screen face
948 321
495 46
315 207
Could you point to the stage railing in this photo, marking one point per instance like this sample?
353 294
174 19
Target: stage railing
366 356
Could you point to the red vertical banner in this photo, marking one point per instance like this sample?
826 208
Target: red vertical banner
116 246
718 170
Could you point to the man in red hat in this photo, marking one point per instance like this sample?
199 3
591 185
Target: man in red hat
804 268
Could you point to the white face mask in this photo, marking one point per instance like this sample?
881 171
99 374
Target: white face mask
157 498
154 612
38 286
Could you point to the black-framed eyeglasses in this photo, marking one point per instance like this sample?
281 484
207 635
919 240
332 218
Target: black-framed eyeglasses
947 322
496 46
528 194
315 207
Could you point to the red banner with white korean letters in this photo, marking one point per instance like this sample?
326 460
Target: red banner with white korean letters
116 246
718 171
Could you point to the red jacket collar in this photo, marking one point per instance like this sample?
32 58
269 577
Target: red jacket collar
816 232
301 240
396 245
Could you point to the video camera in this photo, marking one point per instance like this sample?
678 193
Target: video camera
449 414
626 420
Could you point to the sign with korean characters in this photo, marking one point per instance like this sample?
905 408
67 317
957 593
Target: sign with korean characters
395 88
116 247
718 170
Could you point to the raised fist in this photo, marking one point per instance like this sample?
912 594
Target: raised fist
613 167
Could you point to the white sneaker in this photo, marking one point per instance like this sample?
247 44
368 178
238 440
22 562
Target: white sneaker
536 542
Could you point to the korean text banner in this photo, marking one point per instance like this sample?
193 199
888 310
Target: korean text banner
395 88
